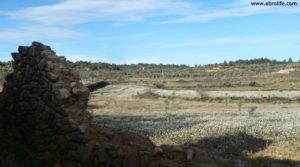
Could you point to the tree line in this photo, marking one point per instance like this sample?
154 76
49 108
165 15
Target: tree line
102 65
258 61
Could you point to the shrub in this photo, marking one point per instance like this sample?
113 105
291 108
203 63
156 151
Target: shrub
251 110
167 105
252 83
227 84
158 85
240 104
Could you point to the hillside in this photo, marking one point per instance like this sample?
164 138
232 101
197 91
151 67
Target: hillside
235 75
257 74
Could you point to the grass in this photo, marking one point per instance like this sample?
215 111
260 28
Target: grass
228 133
173 128
259 100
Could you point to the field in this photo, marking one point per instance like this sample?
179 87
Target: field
254 132
238 76
241 112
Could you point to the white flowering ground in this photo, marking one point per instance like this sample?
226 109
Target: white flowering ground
279 127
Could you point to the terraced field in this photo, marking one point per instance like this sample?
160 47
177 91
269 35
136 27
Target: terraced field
249 131
132 90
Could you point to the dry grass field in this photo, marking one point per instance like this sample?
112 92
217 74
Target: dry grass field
236 129
237 112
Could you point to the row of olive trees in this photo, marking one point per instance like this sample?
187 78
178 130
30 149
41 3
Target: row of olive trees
88 76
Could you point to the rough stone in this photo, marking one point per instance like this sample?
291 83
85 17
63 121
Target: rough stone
57 165
48 53
209 165
80 90
15 56
82 128
53 77
63 94
23 49
73 84
279 165
37 44
189 154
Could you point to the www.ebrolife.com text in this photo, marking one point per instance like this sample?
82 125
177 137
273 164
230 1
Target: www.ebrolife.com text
274 3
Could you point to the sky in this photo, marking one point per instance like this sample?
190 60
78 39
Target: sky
152 31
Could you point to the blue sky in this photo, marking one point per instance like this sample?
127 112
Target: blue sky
152 31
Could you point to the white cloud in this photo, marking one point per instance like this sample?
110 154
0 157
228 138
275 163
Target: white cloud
69 12
249 41
72 12
30 33
237 8
246 40
128 36
57 21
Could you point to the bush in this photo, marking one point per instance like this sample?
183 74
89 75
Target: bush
252 83
227 84
159 85
240 104
251 110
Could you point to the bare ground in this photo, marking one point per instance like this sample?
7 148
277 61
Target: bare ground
131 90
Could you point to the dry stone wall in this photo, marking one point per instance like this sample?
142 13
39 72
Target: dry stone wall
45 103
43 107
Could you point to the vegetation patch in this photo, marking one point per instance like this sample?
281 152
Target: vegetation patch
272 100
233 134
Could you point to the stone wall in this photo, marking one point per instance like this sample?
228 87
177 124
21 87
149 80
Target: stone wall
94 86
43 107
45 103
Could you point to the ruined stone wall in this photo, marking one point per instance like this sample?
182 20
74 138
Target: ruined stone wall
45 103
94 86
43 106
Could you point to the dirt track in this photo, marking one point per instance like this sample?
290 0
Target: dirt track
131 90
